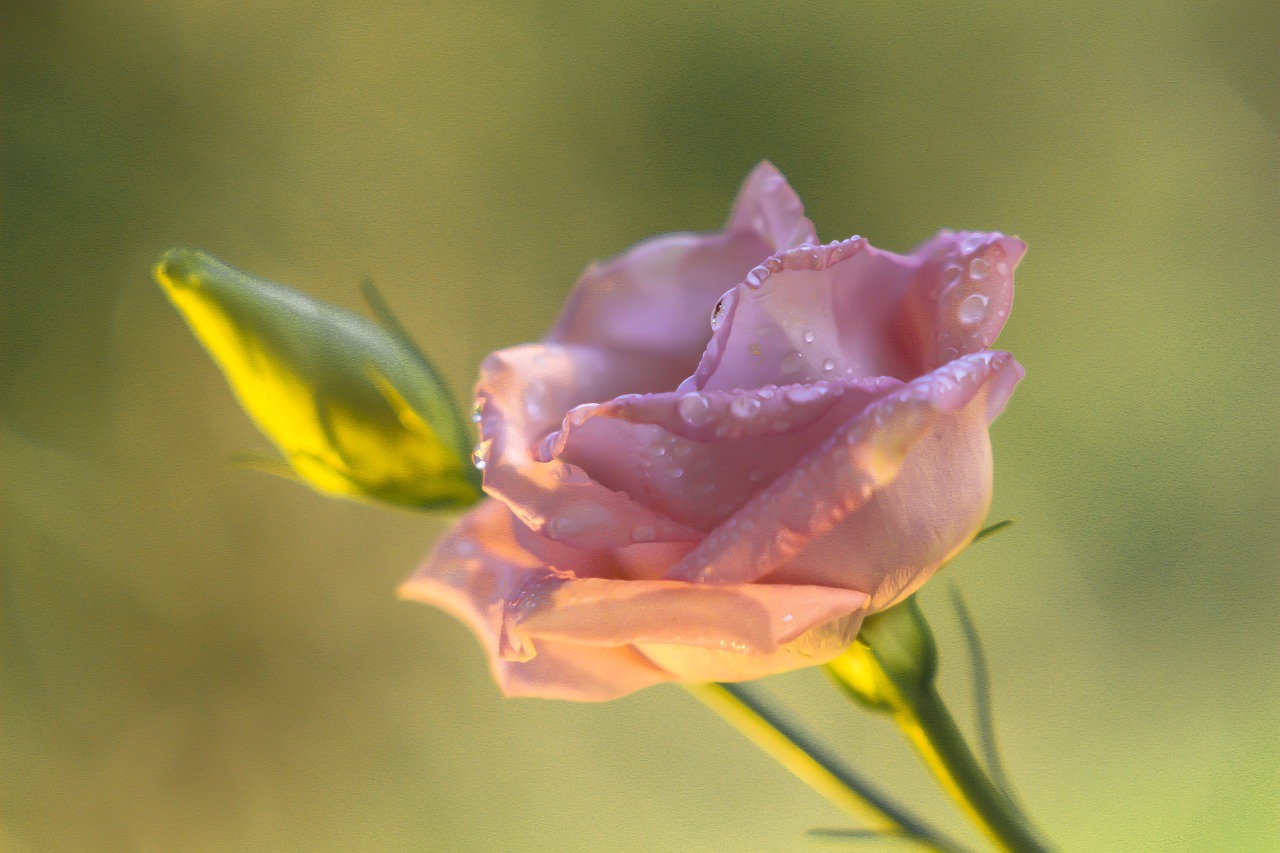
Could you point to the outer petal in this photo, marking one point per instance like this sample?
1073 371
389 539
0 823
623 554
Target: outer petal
847 309
697 457
657 296
523 393
749 619
878 507
472 573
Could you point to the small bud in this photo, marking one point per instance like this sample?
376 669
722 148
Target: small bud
356 409
893 658
902 643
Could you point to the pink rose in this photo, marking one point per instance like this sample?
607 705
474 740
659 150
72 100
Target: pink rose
729 450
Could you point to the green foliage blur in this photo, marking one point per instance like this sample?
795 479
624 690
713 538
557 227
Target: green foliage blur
198 658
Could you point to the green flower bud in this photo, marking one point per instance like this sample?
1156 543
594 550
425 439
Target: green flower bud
356 409
893 658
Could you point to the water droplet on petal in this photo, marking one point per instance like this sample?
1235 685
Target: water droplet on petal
480 456
978 269
744 407
579 518
693 409
810 336
766 393
828 365
788 618
805 393
675 472
792 361
717 316
971 243
477 414
973 308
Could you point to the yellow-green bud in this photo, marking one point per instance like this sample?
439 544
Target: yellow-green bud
356 409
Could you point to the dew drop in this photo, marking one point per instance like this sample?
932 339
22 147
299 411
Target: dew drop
978 268
810 336
675 472
534 397
792 361
788 618
828 365
579 518
477 414
805 394
693 409
766 393
717 316
971 243
744 407
973 308
480 456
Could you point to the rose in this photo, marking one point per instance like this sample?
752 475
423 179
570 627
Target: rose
677 500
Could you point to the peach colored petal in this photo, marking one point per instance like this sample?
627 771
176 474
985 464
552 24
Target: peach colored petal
749 619
657 297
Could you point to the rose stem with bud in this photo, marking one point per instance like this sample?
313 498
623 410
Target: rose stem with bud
808 764
892 668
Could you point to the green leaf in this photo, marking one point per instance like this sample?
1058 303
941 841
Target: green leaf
993 529
868 839
981 684
356 410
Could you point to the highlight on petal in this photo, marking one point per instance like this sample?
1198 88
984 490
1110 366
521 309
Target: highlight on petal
657 297
356 410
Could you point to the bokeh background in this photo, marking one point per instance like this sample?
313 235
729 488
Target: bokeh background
198 658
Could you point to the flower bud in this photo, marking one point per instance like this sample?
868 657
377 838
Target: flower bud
893 657
356 409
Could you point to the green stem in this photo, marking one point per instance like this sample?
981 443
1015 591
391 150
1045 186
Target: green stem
808 763
923 717
891 668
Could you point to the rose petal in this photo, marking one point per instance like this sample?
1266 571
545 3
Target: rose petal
471 574
848 309
697 457
523 393
747 619
879 506
818 645
960 298
657 297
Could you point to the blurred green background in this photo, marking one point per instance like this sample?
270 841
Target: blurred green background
197 658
